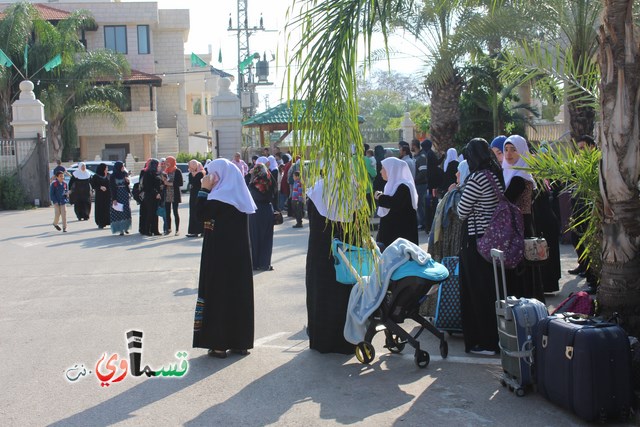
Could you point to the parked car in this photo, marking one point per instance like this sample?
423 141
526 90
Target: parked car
184 168
93 165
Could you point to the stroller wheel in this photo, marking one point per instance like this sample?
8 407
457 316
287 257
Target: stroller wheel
421 358
365 352
444 349
394 344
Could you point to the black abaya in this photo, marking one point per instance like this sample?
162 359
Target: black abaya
103 200
327 299
195 183
401 220
261 229
477 297
152 187
81 196
548 226
224 311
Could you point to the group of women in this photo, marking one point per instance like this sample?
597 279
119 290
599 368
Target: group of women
490 167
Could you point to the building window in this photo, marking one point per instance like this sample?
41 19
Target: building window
143 40
115 38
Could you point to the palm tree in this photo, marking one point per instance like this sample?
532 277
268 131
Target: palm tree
619 61
66 90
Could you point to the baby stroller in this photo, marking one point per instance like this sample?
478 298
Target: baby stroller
405 286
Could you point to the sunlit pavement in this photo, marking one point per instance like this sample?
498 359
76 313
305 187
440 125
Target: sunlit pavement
68 300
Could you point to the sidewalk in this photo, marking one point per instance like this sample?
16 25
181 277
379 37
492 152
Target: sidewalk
69 298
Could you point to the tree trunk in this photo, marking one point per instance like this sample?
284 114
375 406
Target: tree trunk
581 118
445 111
54 134
5 114
619 59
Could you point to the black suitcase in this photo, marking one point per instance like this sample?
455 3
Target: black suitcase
584 366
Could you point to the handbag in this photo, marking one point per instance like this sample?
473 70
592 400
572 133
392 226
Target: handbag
505 231
536 249
161 212
277 218
362 260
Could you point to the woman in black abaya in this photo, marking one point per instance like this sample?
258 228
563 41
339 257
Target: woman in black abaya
196 173
261 222
224 316
397 204
100 184
327 299
151 186
80 192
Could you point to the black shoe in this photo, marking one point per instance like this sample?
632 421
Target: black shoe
57 227
582 274
220 354
297 226
126 231
239 351
577 270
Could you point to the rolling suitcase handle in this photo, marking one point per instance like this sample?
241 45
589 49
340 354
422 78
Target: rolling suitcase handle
498 255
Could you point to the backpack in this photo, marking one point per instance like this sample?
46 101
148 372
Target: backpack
505 231
576 302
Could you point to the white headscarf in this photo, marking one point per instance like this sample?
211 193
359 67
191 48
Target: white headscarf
262 161
81 173
231 187
463 168
521 147
273 163
330 205
452 155
398 173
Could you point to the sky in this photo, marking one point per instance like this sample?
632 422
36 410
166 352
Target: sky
209 22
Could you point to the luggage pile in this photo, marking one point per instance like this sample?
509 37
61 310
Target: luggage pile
575 361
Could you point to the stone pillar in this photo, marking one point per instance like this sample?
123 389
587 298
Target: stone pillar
146 147
408 128
226 121
29 123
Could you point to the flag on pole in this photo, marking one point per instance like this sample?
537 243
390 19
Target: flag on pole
4 60
53 63
196 61
220 54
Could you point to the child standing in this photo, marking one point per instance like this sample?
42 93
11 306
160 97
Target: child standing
372 158
297 198
59 193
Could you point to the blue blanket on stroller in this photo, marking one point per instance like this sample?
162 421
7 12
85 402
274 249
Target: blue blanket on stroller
403 257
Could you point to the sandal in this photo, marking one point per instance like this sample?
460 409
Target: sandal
220 354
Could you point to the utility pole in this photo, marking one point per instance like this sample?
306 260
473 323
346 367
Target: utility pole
246 83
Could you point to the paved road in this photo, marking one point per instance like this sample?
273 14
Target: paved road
68 299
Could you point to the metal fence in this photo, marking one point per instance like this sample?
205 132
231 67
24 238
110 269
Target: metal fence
14 153
380 136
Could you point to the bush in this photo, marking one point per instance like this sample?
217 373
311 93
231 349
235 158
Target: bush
12 194
186 157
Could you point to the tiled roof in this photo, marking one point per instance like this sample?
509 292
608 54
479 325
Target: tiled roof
47 13
136 78
280 114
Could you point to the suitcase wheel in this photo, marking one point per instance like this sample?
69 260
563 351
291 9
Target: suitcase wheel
519 392
365 352
444 349
421 358
394 344
503 382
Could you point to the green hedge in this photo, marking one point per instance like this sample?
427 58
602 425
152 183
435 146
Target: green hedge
12 195
186 157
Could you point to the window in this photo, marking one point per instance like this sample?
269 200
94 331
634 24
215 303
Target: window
115 38
143 39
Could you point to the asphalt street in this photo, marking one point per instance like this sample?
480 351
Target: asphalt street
68 300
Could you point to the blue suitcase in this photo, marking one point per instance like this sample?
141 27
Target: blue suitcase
517 320
584 366
448 315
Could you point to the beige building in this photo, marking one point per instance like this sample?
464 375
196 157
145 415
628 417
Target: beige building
168 95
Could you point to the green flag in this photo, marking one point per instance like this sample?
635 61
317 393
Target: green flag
248 60
220 54
57 60
4 60
196 61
